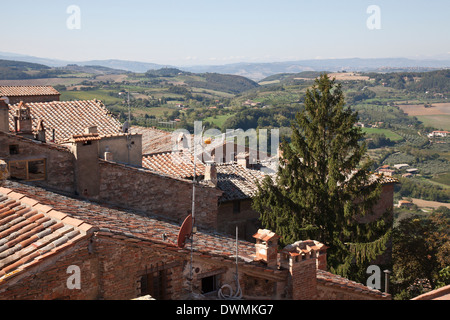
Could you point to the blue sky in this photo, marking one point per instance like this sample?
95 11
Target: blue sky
218 32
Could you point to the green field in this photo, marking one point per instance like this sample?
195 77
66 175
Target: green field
439 121
442 179
218 120
102 95
388 133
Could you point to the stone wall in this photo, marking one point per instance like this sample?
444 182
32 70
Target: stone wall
28 99
151 193
246 219
59 162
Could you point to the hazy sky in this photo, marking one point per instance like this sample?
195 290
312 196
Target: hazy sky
188 32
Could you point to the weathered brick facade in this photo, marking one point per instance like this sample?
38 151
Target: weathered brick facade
155 194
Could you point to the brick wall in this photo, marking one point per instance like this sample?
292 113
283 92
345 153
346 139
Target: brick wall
155 194
304 281
48 280
123 264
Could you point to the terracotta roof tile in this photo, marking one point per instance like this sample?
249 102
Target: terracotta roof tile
70 118
28 232
330 279
177 164
154 140
18 91
110 221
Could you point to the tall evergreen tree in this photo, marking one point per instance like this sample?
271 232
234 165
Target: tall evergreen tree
323 187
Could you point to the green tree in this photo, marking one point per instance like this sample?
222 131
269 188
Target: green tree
421 250
323 186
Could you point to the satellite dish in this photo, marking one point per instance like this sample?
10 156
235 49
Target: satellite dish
6 99
185 231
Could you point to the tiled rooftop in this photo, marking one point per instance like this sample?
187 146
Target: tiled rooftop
237 182
70 118
329 279
154 140
18 91
233 179
177 164
31 231
109 220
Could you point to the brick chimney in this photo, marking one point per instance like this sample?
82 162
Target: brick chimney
4 116
23 121
302 260
211 172
3 172
267 247
242 159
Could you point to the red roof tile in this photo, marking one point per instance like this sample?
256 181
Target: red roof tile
70 118
154 140
330 279
19 91
29 230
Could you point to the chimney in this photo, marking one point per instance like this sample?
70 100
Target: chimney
243 159
4 116
23 121
211 172
40 131
85 148
267 247
302 259
3 172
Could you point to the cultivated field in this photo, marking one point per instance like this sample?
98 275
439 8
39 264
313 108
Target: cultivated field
420 110
437 116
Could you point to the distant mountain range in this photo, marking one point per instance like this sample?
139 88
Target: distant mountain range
257 71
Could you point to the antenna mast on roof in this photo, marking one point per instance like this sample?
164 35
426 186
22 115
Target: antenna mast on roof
193 206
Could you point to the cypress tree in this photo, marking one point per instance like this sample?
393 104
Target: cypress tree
324 186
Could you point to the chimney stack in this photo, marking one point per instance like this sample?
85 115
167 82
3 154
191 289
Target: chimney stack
4 116
211 172
23 121
267 247
243 159
303 259
40 132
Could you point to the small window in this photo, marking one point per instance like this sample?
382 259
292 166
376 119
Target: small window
236 207
209 284
28 170
154 284
13 149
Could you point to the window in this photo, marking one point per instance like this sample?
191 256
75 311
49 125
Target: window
209 284
154 284
29 170
13 149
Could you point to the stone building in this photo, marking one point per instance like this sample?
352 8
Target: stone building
16 94
57 247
